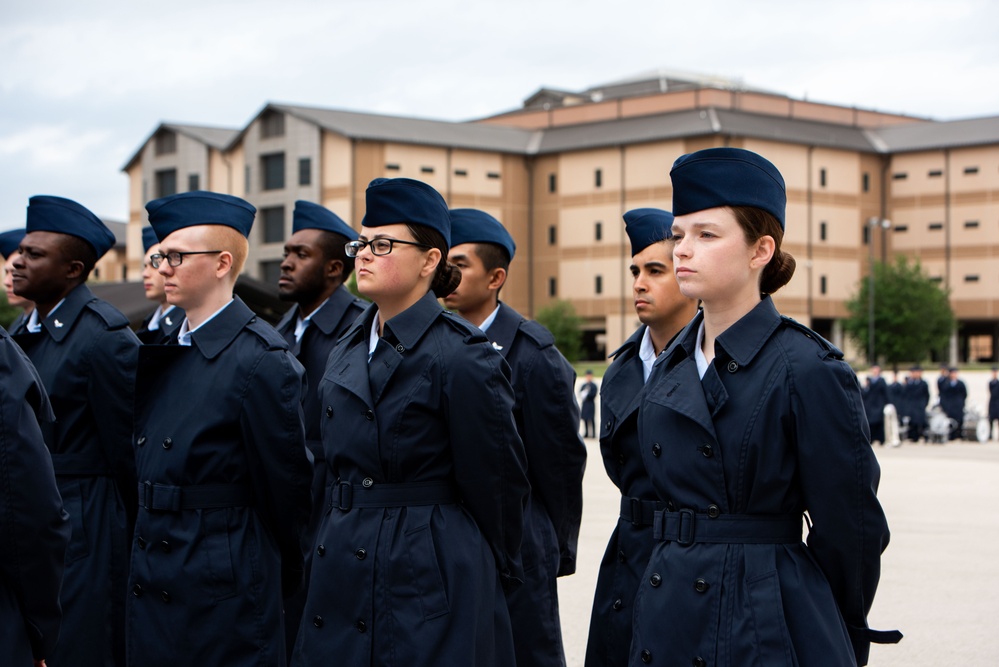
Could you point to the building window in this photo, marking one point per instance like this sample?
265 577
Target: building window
270 271
970 224
822 284
552 183
822 178
426 170
305 171
900 176
272 167
166 182
598 284
935 173
273 219
392 166
866 182
598 178
822 231
866 235
492 174
193 182
898 229
552 287
271 124
165 142
973 278
598 231
552 235
461 172
968 171
936 226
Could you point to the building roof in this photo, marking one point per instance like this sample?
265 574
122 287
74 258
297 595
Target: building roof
937 135
377 127
214 137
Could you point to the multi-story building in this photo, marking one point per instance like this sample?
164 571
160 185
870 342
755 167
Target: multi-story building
561 171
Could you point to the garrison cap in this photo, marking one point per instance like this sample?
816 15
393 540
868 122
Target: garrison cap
190 209
469 225
393 201
646 226
64 216
148 238
10 241
313 216
717 177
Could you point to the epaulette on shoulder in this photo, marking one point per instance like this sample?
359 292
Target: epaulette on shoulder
113 318
537 332
822 342
268 334
471 333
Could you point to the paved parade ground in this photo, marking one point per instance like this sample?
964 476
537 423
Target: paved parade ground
940 574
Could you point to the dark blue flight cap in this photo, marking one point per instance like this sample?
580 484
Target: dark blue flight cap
148 239
190 209
10 241
313 216
64 216
393 201
469 225
646 226
717 177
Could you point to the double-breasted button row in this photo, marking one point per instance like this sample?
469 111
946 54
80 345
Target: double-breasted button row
646 655
618 605
360 554
714 511
706 450
655 579
329 411
138 591
142 543
657 450
369 415
167 443
701 586
321 550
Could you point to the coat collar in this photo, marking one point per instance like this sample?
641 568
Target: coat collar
222 329
409 326
621 389
742 341
59 322
503 330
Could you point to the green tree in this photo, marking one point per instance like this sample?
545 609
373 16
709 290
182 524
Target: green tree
561 319
912 314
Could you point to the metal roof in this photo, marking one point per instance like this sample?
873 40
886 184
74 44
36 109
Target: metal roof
939 134
214 137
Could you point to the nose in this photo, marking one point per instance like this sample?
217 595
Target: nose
164 268
286 263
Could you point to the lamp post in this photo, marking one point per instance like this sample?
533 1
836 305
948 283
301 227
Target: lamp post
872 224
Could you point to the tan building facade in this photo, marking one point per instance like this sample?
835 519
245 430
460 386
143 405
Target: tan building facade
560 173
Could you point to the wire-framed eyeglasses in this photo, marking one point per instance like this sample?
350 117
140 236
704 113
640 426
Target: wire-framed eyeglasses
379 246
175 258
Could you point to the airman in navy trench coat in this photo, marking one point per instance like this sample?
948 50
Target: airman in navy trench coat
424 519
34 528
86 356
224 495
776 428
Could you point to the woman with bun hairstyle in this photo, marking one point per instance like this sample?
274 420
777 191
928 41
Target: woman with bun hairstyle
749 422
423 519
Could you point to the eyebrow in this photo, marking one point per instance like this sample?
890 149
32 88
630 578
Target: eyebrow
651 263
458 258
295 247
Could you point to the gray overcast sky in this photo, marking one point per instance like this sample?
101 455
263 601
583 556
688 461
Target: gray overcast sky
83 83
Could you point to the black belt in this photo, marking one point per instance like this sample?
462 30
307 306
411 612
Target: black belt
196 497
82 465
347 495
687 527
640 512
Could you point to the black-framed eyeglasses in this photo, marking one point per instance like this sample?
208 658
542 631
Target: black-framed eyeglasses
175 258
379 247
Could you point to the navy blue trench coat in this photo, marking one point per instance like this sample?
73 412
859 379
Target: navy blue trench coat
631 542
86 357
169 325
224 480
547 419
425 511
776 428
312 351
34 528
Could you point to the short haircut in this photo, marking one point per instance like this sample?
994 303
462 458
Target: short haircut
75 249
332 245
493 256
221 237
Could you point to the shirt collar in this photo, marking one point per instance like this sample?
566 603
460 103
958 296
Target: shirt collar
647 353
489 320
185 332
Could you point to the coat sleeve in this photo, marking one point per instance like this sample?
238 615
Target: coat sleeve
839 481
114 358
489 459
34 529
280 464
556 455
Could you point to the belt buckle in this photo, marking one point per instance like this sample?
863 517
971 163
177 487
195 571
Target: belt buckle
636 512
146 500
345 496
685 527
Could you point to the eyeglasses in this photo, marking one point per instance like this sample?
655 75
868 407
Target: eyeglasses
378 247
175 258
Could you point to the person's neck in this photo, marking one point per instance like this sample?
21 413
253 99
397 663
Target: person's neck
478 314
45 307
309 304
661 333
198 313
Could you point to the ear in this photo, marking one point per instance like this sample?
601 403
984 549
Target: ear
497 278
334 268
763 252
74 269
224 264
430 262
